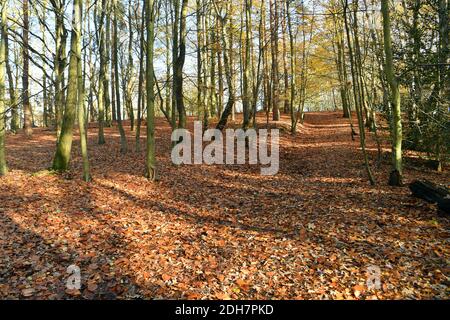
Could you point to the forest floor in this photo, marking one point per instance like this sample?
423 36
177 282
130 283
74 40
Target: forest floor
219 232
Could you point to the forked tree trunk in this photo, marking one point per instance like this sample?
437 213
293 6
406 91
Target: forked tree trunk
64 146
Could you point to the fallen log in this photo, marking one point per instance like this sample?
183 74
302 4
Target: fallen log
432 193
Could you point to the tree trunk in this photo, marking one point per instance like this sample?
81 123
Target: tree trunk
129 89
3 55
356 97
102 73
140 80
59 63
64 146
294 118
227 52
275 71
178 75
15 123
246 66
27 113
150 153
123 138
81 110
395 178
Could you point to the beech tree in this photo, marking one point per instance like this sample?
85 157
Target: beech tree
3 35
150 153
395 178
62 156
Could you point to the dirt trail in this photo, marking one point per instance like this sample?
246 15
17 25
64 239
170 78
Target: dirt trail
311 231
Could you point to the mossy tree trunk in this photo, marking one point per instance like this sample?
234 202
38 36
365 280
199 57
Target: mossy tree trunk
64 146
395 178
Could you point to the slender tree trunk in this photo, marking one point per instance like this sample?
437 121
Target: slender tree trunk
246 103
356 97
294 119
150 152
15 122
59 64
108 83
179 64
227 52
27 113
229 49
275 71
285 64
220 95
140 80
175 48
81 110
46 116
3 55
395 178
200 56
102 73
129 84
123 139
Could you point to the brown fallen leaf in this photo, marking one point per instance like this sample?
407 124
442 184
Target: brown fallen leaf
73 292
28 292
358 290
244 285
92 287
166 277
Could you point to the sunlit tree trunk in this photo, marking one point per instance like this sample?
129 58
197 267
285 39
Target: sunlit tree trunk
129 72
59 63
150 152
275 71
179 49
81 110
108 83
123 138
395 178
356 96
227 52
294 119
200 58
285 64
64 146
102 73
246 103
27 113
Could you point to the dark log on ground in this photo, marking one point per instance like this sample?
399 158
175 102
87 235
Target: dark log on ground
433 193
444 206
